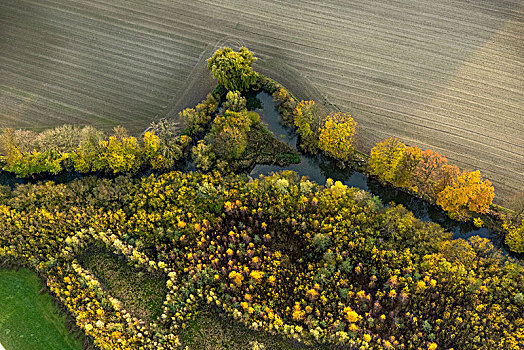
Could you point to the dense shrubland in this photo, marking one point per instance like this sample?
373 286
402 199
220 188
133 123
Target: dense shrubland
280 254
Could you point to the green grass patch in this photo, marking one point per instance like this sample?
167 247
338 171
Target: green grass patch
29 320
141 292
213 330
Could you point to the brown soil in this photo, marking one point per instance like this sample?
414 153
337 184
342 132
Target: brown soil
446 74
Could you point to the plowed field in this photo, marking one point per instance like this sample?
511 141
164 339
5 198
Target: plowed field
445 74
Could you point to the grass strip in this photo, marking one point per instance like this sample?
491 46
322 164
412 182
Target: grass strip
29 320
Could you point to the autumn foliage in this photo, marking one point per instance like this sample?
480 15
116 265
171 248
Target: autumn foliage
515 236
319 264
394 162
429 173
308 117
233 69
336 136
467 192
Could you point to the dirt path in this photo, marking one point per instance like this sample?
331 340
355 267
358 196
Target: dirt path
446 74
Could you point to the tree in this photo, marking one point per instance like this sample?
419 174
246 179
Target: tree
22 140
64 138
466 193
122 155
196 119
203 156
31 163
234 101
229 133
170 144
406 166
385 157
308 117
233 69
392 161
448 173
86 158
515 236
429 172
193 120
336 136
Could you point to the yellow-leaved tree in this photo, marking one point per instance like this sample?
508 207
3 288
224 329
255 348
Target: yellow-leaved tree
467 192
122 154
393 161
337 134
515 236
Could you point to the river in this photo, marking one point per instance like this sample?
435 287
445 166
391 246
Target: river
319 169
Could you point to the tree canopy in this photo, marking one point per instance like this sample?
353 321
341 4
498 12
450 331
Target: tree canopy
337 134
233 69
467 192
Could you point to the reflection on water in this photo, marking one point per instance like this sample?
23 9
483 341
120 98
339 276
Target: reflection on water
319 169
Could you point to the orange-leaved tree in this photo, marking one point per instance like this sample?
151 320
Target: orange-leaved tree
429 172
467 192
336 135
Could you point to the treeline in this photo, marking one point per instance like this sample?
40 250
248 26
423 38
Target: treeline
232 139
88 150
427 173
320 264
462 194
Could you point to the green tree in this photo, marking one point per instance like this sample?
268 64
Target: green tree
308 117
196 119
203 156
233 69
31 163
234 101
229 133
